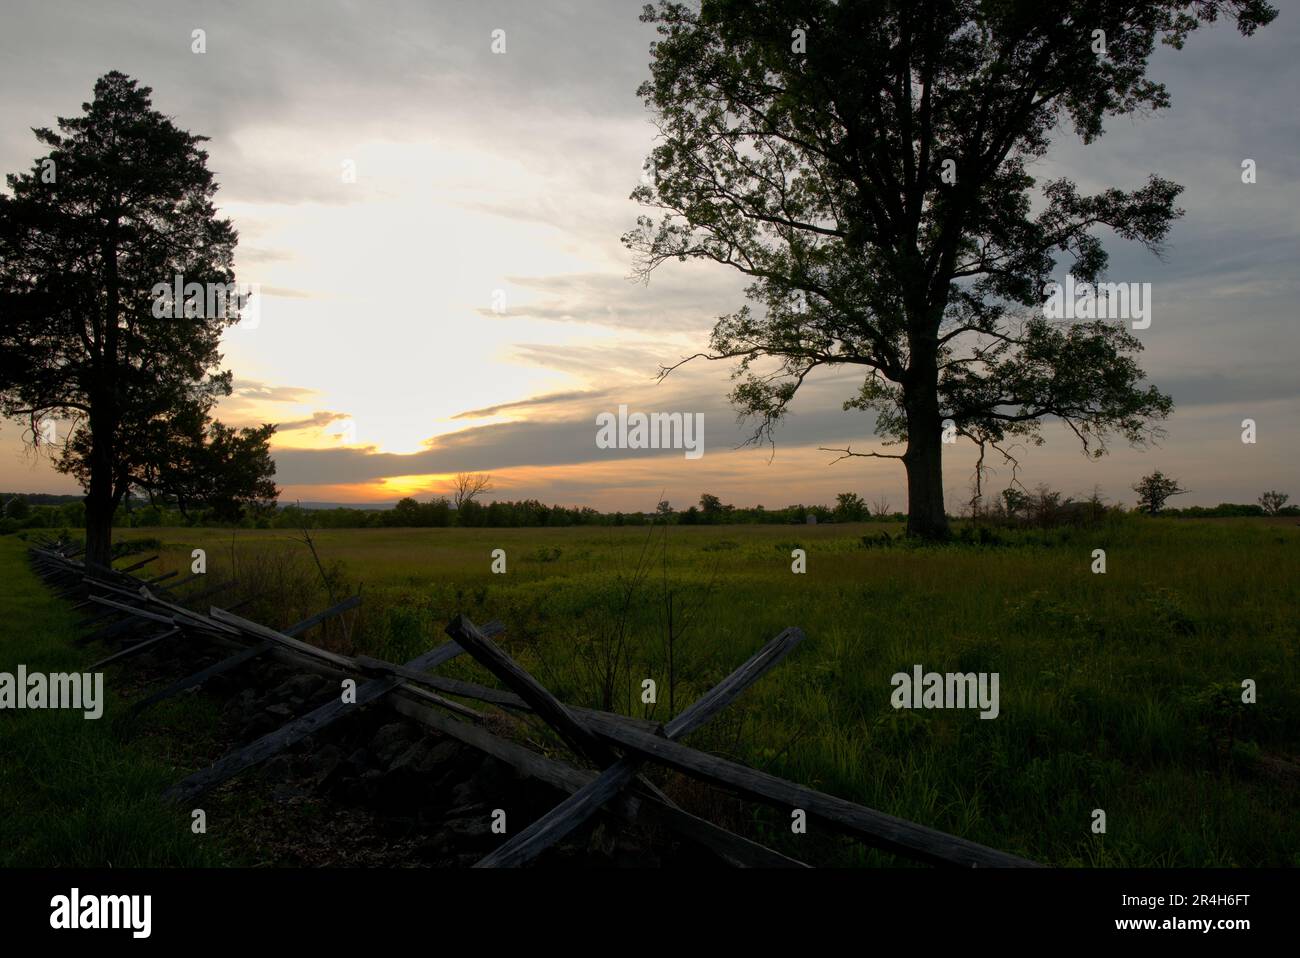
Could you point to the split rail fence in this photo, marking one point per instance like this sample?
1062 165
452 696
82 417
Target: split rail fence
141 613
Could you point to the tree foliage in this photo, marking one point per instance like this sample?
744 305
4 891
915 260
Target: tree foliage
850 507
1272 502
866 165
1155 490
120 204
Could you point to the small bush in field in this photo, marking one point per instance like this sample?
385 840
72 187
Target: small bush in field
722 545
1219 710
1168 608
1039 612
1046 509
128 547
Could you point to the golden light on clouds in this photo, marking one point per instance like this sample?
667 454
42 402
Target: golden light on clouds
423 486
400 269
743 476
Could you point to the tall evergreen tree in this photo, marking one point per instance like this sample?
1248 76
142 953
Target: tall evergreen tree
118 210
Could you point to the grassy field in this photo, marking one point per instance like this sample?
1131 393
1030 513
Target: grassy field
1119 692
72 793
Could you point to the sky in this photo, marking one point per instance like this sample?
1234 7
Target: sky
435 228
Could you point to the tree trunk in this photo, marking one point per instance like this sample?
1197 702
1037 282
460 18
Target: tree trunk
926 517
100 500
99 496
99 528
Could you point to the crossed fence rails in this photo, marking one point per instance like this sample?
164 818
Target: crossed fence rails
617 745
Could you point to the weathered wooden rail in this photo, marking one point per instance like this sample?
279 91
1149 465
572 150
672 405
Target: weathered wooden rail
618 746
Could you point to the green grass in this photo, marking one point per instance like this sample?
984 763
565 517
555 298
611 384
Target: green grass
71 793
1107 681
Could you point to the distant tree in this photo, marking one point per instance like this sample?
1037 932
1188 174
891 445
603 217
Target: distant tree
1155 490
664 510
470 514
468 486
1273 501
119 207
814 514
712 509
1044 504
690 517
871 178
17 508
880 506
150 515
406 513
1096 504
437 512
72 514
849 507
1015 501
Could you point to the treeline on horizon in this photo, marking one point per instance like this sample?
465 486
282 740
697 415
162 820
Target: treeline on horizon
42 511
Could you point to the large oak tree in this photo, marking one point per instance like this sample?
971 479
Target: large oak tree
866 163
120 206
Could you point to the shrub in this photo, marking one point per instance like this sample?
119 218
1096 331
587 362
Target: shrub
130 547
1155 490
1046 508
1273 501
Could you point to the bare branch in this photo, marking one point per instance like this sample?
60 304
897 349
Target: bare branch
847 453
467 486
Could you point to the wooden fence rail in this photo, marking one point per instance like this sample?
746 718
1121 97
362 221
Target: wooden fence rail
618 746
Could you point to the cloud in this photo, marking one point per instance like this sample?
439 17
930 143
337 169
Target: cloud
550 399
264 392
284 293
596 363
254 254
1244 387
686 300
570 438
316 420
